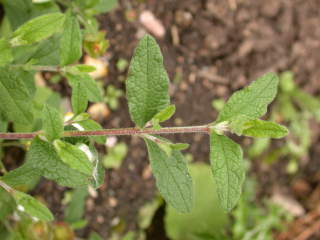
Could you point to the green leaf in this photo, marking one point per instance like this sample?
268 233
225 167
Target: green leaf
84 4
206 215
218 104
23 177
71 41
105 6
32 206
286 108
52 122
73 157
22 54
307 102
95 236
44 95
80 68
75 140
251 101
79 98
155 124
14 97
20 11
172 177
28 79
5 52
286 82
227 168
41 1
42 160
5 27
258 146
38 29
91 125
88 83
147 83
166 113
75 209
264 129
81 117
115 156
165 147
237 124
17 11
179 146
3 125
7 204
47 52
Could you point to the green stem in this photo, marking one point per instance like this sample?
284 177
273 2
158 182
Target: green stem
2 167
116 132
38 68
14 144
6 187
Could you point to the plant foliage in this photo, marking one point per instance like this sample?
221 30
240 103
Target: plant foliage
52 40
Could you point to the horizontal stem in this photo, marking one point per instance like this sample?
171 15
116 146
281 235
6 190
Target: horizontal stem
115 132
12 144
38 68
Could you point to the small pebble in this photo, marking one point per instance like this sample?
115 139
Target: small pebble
152 24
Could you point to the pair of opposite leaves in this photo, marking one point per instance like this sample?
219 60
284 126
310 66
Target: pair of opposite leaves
147 93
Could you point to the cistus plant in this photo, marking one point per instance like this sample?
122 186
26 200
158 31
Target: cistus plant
64 150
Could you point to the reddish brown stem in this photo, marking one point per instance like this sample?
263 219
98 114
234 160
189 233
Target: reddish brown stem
115 132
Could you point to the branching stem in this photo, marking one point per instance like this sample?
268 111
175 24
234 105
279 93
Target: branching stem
115 132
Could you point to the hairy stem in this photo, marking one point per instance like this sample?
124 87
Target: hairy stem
115 132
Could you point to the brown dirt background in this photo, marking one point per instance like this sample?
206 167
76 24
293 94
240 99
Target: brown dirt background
217 47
